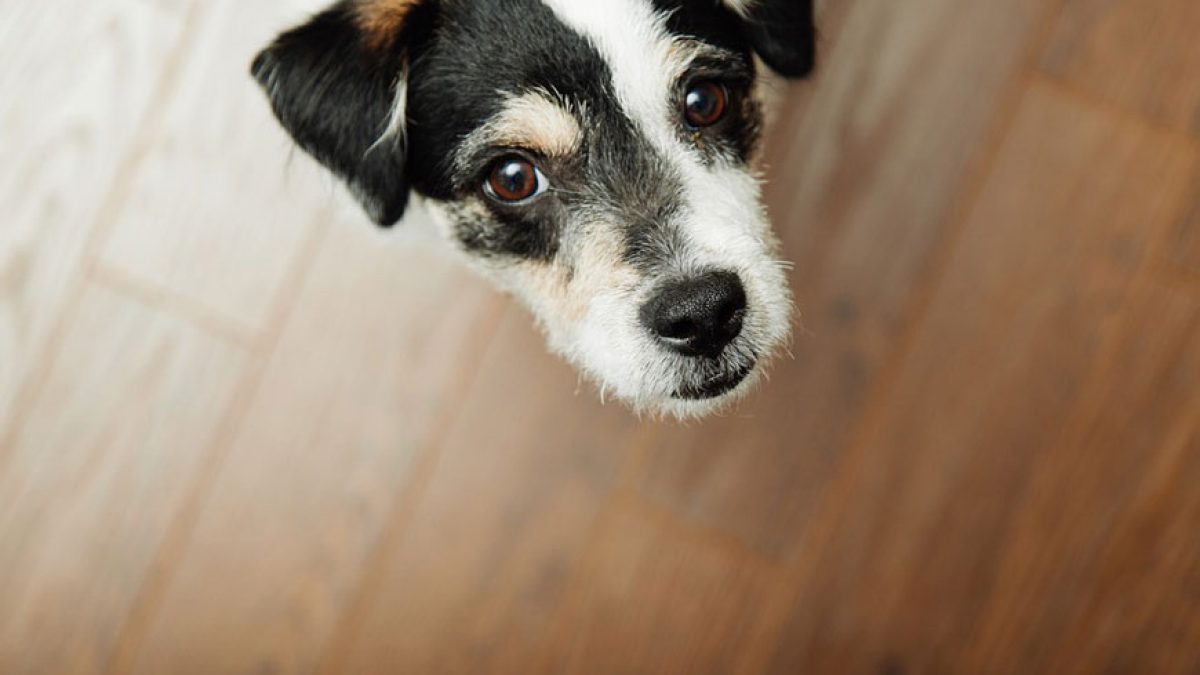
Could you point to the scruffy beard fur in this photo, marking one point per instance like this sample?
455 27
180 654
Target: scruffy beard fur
631 198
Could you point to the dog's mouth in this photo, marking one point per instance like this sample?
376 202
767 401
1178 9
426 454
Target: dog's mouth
715 386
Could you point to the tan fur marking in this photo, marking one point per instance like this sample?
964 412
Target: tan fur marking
597 267
536 122
382 20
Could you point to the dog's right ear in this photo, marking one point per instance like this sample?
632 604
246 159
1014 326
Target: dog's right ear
782 32
337 85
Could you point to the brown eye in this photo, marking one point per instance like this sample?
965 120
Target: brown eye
705 104
513 179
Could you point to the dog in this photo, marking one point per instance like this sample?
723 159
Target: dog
596 158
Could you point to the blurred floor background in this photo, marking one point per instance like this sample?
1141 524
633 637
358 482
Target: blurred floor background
243 432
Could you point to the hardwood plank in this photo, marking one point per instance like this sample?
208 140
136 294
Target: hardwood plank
473 581
1063 551
1184 246
656 601
1141 54
79 81
864 190
1142 611
369 363
916 522
223 202
100 468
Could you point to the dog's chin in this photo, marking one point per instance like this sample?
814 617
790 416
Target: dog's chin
689 399
714 387
693 401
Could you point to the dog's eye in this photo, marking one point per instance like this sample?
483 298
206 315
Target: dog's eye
514 179
705 104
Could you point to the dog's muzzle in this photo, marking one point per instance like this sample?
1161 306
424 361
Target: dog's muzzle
699 318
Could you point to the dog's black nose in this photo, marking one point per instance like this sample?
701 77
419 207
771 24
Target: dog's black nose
697 317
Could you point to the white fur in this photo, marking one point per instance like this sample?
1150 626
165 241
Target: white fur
398 120
645 63
724 223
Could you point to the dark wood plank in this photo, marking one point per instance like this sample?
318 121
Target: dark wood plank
1090 527
656 601
862 193
473 582
100 469
916 524
370 361
1183 248
1140 54
1142 611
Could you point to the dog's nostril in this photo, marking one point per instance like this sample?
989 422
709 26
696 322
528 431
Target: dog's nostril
732 317
698 317
680 330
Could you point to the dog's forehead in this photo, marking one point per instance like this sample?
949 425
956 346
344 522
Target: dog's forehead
579 50
588 86
646 43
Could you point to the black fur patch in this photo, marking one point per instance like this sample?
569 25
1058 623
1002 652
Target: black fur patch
335 96
706 20
781 31
479 50
784 35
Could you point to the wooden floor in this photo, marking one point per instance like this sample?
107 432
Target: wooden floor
243 432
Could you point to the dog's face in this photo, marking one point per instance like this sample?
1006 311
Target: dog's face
592 156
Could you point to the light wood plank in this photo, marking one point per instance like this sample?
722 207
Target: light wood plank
366 368
864 191
917 522
101 466
223 202
473 584
79 80
1140 54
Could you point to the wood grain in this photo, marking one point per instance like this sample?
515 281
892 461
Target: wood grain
100 468
875 160
1140 54
473 583
79 82
353 392
645 589
1001 362
1183 247
223 204
1141 607
1124 434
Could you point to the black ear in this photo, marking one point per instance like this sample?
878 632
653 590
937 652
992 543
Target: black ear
336 88
783 34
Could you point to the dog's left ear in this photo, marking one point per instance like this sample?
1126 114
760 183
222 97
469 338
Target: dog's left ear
337 85
782 32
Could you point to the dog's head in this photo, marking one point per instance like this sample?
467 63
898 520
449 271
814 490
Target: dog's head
592 156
